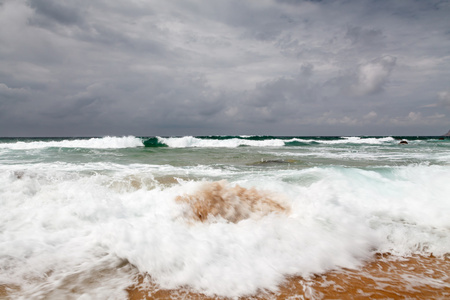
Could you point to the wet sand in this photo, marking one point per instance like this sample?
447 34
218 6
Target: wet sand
386 277
6 291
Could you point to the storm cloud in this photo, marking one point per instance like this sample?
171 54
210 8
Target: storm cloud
190 67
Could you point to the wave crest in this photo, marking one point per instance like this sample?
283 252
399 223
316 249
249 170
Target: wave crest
106 142
257 141
190 141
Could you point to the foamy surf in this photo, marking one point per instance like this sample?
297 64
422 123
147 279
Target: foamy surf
107 142
212 223
190 141
254 141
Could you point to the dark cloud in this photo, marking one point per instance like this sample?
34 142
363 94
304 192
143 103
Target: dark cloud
63 12
364 37
223 67
296 2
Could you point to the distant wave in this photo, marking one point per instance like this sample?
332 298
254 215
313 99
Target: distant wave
257 141
359 140
222 142
190 142
94 143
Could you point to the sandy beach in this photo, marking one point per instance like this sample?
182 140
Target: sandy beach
386 277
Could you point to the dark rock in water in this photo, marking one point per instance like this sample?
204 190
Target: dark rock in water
403 142
441 139
273 162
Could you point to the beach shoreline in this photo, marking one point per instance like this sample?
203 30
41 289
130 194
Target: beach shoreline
386 276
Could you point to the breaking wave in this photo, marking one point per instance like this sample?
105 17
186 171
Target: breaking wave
258 141
108 142
191 141
112 142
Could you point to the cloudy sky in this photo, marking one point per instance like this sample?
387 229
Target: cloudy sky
201 67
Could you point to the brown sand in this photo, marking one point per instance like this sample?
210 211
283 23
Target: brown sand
233 203
386 277
6 290
2 291
132 183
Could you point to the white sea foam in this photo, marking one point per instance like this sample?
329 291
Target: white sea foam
348 140
190 141
94 143
346 154
59 225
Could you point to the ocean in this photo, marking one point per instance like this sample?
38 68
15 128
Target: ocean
214 217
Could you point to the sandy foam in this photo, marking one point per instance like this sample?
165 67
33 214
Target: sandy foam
233 203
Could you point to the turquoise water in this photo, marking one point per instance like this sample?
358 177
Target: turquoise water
296 152
74 208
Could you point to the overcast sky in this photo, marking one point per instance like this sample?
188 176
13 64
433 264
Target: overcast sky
201 67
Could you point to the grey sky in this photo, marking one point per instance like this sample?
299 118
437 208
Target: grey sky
191 67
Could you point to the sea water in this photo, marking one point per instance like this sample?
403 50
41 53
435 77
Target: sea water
225 216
